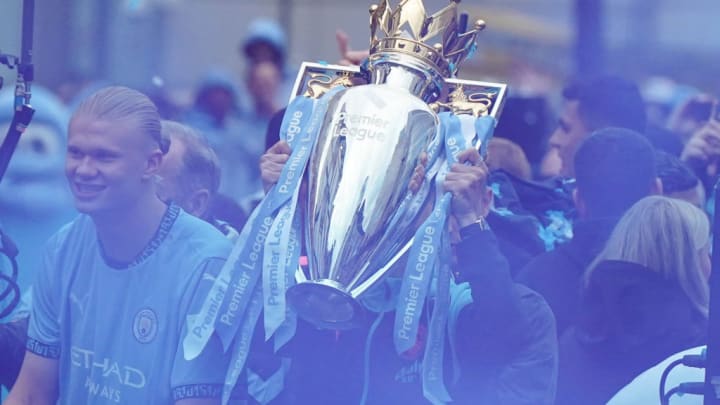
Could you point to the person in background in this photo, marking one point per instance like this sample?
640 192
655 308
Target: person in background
265 42
605 101
262 82
702 150
646 297
678 180
215 105
503 333
111 297
614 168
688 116
507 155
190 177
586 108
217 117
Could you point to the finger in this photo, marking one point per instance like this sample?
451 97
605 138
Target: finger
477 171
458 183
423 159
279 148
275 159
343 42
419 171
470 155
356 57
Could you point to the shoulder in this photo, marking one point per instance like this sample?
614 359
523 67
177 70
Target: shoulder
540 341
538 268
535 307
78 232
195 235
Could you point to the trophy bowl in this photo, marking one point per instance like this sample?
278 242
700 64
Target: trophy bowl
360 214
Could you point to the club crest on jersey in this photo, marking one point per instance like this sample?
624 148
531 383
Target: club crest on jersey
145 325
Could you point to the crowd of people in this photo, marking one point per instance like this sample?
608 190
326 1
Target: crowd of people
573 275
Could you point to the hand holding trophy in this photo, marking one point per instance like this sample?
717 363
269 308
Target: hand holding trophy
359 147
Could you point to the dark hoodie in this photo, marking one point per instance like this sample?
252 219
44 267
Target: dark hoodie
504 341
631 318
557 275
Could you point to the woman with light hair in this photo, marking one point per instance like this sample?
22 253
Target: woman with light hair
645 297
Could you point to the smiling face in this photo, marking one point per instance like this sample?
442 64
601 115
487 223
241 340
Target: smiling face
109 164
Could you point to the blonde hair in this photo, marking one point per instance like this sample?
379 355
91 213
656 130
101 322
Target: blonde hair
200 164
117 103
666 236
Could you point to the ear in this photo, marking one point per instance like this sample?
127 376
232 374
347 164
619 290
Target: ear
579 203
152 164
198 203
656 188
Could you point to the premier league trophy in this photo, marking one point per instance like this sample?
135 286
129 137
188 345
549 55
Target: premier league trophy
360 146
360 214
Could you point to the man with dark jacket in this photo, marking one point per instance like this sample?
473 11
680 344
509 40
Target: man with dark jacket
591 105
614 168
501 346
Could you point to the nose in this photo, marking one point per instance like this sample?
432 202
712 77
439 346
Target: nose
554 140
85 167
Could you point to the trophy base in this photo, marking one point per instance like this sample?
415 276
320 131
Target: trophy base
324 304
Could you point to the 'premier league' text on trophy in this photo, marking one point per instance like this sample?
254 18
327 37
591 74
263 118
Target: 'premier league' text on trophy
360 215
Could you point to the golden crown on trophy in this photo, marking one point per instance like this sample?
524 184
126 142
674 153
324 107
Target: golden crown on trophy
408 30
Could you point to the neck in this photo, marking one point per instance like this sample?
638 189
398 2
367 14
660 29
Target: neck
125 233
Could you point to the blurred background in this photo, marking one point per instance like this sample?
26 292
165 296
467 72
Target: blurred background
173 49
177 41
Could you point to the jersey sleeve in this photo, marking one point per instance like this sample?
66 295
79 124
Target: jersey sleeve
203 376
44 327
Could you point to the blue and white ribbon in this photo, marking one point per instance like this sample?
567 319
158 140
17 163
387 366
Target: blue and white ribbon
269 246
430 256
433 370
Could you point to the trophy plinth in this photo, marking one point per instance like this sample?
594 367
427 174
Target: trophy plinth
324 304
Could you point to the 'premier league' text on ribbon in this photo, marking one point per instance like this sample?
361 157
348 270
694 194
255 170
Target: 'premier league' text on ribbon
211 314
417 279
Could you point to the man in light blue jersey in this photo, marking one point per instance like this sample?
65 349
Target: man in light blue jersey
115 285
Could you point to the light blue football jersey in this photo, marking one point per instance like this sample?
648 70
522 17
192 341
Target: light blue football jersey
116 330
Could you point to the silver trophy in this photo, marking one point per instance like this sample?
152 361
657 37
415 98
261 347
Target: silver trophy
358 219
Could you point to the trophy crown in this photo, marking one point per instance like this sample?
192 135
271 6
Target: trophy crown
409 30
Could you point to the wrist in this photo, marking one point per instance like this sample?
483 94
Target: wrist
466 220
480 224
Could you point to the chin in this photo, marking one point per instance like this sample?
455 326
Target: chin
84 208
90 207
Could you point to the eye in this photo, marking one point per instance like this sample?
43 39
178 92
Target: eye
105 156
73 152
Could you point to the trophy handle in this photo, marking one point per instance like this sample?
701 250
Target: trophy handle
315 79
462 96
472 97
